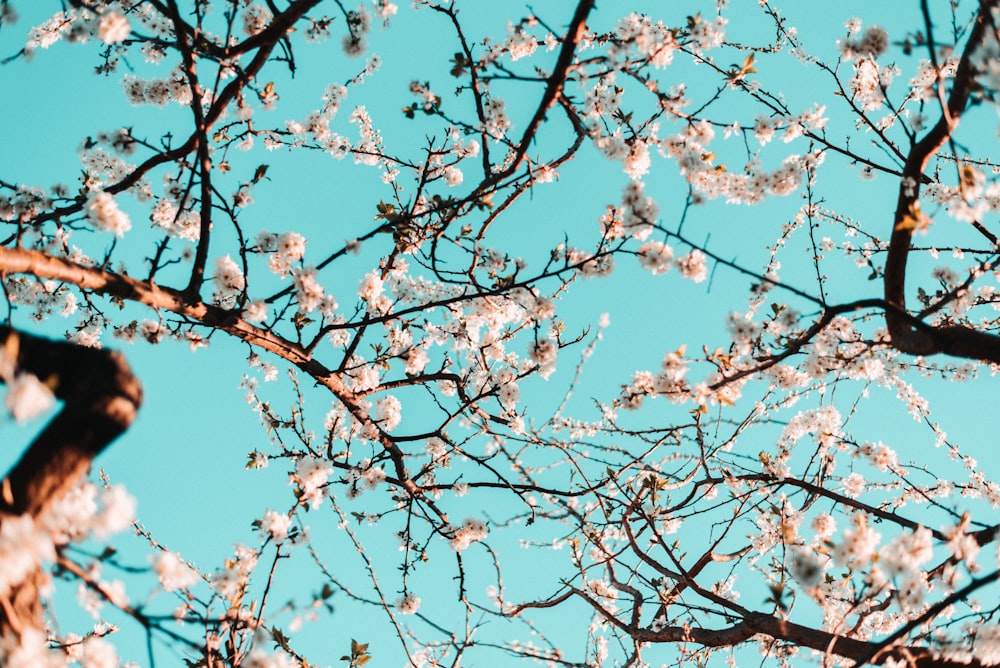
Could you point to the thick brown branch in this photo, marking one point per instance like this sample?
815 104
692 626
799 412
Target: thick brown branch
21 261
556 83
958 341
798 635
100 397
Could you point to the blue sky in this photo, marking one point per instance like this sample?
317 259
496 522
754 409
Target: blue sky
184 458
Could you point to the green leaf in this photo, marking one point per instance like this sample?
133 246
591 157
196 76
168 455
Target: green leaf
386 212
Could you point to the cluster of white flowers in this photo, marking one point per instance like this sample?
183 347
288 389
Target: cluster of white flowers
858 545
275 525
824 423
633 153
256 17
853 486
924 83
230 580
311 477
366 476
310 293
261 657
916 404
26 202
603 100
908 552
154 22
27 397
158 92
655 43
153 331
794 125
840 347
693 266
110 26
176 223
519 43
985 643
408 604
971 200
472 530
104 214
368 150
691 151
639 212
45 298
333 98
384 9
963 545
24 545
361 376
604 592
881 456
388 412
104 168
668 382
359 23
48 33
874 42
317 125
868 83
173 573
84 512
372 291
468 149
495 117
656 256
543 352
229 279
30 649
284 250
707 34
113 27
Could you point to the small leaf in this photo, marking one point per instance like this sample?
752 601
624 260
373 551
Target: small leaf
386 212
459 64
914 219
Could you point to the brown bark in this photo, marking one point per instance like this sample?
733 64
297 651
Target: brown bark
100 397
803 637
958 341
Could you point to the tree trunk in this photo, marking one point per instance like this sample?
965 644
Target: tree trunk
100 397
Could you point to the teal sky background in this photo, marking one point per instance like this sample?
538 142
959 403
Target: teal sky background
184 457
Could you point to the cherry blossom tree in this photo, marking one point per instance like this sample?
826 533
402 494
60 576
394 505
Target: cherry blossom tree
732 504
